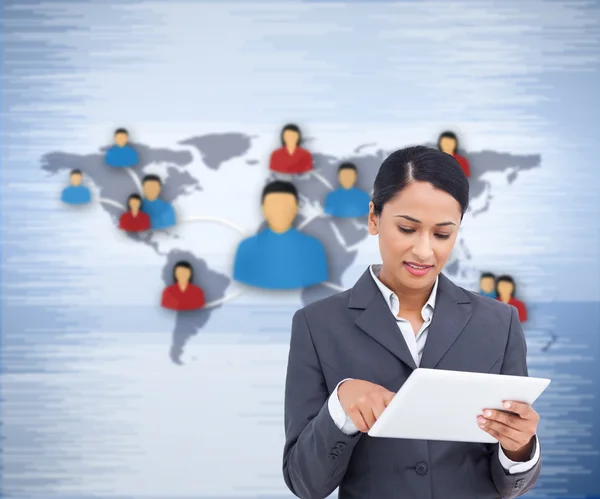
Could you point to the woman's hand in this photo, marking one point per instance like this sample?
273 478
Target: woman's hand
515 432
363 402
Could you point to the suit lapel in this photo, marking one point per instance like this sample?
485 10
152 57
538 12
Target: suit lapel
452 312
377 320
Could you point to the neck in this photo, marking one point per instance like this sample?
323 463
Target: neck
410 299
279 230
182 285
505 299
135 212
290 149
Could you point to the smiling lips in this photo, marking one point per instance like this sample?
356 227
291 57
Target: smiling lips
417 269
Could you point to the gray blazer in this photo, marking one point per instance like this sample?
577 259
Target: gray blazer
353 335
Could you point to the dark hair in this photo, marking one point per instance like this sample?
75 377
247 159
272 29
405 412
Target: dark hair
507 278
487 275
133 196
186 265
448 135
121 130
279 186
75 172
151 178
292 128
347 166
424 164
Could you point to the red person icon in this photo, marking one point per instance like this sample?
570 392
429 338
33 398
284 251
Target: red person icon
505 287
448 143
182 294
134 220
290 158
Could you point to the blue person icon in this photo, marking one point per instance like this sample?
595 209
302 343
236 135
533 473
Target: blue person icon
347 201
280 257
487 285
121 154
161 213
76 193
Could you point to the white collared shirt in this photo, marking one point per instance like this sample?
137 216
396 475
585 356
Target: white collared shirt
416 344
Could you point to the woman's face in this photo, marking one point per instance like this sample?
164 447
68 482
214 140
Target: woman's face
417 230
290 138
182 275
505 289
134 204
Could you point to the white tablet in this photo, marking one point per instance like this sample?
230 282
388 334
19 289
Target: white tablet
434 404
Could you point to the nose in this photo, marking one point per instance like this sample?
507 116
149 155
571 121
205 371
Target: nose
423 249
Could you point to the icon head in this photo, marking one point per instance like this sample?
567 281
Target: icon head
448 142
487 282
121 137
75 177
420 195
505 287
279 205
183 273
134 203
347 175
151 185
291 136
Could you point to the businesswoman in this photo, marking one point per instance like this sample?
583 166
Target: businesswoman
351 352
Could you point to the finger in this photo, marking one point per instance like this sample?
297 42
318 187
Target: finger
508 419
378 407
356 417
501 429
522 409
367 413
387 397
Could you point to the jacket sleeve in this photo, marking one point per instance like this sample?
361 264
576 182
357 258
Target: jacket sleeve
316 452
515 364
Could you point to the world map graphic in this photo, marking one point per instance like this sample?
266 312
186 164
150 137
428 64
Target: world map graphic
339 236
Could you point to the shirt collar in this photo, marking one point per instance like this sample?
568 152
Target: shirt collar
394 303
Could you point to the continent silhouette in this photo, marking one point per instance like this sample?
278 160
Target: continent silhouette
339 236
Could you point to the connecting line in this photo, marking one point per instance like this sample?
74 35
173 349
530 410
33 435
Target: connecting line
223 300
135 178
216 220
309 220
112 203
333 286
238 229
322 179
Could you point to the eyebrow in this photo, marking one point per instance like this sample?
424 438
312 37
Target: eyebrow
442 224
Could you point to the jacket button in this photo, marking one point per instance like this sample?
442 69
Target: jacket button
341 445
421 468
333 457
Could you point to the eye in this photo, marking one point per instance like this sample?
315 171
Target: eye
442 236
406 231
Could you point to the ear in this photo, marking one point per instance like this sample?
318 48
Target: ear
373 221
